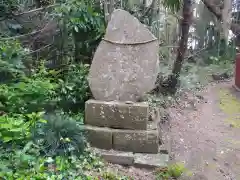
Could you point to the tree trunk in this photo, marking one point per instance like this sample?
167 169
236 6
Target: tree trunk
106 11
170 85
152 14
185 25
217 12
226 16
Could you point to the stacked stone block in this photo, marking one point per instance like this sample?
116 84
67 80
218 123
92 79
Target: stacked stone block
120 126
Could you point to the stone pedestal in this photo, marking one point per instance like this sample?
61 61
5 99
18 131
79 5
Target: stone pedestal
124 68
121 127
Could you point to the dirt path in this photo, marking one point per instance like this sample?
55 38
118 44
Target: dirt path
204 138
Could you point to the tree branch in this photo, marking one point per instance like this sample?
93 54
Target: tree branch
212 8
35 10
234 27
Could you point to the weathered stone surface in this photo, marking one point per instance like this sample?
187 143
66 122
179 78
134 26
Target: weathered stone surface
164 131
99 137
161 121
117 157
125 64
150 160
116 114
138 141
97 113
123 28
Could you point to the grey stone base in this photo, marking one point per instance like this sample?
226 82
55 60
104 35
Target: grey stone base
137 141
115 114
140 160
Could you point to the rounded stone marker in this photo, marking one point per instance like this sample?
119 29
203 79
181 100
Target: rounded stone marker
125 64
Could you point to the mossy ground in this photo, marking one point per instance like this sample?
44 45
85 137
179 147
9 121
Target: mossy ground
230 105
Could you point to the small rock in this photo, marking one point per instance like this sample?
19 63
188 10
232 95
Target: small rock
226 164
149 161
200 97
221 171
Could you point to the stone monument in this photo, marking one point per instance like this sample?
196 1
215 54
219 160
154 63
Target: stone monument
124 68
125 64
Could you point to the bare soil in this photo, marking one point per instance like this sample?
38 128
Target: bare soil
203 139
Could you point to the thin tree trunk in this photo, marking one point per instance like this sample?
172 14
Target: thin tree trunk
106 12
185 25
152 6
226 16
170 84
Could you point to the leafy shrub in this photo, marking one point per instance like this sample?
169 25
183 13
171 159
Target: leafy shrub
172 171
26 163
73 89
16 129
176 170
47 90
61 135
7 6
81 15
30 95
11 60
84 21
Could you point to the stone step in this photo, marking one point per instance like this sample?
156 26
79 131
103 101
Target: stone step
139 160
137 141
115 114
149 161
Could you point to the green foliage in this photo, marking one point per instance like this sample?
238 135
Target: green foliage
173 5
11 60
84 22
215 56
73 89
176 170
111 176
173 171
50 146
30 95
27 164
60 135
57 151
6 7
46 90
80 15
16 129
194 76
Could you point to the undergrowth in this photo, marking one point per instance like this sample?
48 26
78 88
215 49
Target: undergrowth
41 124
173 171
193 79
